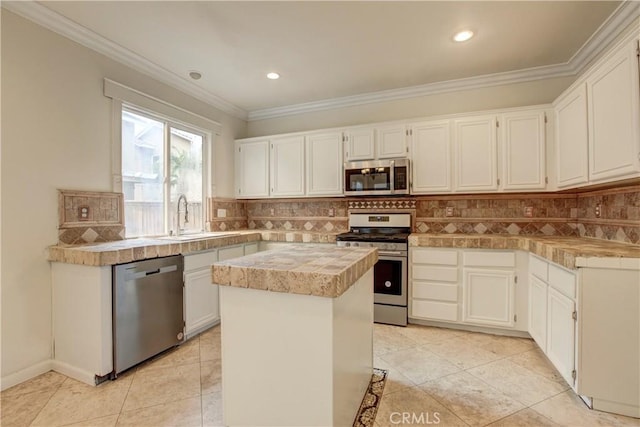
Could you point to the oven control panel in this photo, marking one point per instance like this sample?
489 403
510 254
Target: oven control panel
380 245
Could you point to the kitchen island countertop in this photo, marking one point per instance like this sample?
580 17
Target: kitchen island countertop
299 269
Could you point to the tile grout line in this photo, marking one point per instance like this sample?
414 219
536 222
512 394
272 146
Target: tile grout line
48 400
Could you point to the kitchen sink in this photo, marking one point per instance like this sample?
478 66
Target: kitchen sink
199 236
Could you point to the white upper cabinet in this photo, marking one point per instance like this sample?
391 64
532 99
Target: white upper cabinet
523 150
252 169
614 116
360 144
475 145
431 157
324 164
391 141
287 166
571 138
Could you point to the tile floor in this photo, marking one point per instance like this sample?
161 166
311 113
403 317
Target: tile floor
436 377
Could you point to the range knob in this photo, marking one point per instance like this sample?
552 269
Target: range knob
356 244
347 244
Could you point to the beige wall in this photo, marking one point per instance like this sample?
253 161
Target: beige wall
506 96
56 127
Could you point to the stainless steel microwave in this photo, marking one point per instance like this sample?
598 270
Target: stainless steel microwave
379 177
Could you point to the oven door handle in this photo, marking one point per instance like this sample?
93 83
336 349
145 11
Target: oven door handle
396 253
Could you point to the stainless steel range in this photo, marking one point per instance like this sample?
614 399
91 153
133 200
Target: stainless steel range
390 234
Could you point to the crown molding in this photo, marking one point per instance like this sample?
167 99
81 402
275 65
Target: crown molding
57 23
608 31
477 82
617 22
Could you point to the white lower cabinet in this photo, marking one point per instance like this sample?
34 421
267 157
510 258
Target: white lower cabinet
200 296
488 288
561 345
538 311
475 287
202 309
488 297
434 284
552 312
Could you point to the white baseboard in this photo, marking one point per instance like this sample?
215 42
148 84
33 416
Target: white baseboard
26 374
73 372
201 327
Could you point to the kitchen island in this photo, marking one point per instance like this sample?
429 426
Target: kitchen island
297 335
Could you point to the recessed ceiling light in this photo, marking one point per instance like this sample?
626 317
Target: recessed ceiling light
463 36
273 76
195 75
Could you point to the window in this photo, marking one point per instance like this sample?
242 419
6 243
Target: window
161 161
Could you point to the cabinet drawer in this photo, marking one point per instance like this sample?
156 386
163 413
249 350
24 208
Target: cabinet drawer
437 291
538 267
250 248
489 259
231 252
562 280
434 310
200 260
437 274
435 256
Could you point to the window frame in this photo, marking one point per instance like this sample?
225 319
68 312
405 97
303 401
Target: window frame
125 98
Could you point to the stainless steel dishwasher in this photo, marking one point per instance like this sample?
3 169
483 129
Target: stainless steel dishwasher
147 310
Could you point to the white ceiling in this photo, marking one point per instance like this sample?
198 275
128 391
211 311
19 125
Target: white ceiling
329 50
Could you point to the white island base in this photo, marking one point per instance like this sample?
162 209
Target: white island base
295 360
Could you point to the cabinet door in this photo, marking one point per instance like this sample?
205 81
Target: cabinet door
523 150
538 311
324 164
287 166
360 145
391 141
201 301
488 297
431 157
252 169
476 154
561 333
571 138
614 137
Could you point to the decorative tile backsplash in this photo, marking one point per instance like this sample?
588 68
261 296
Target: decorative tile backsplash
324 215
552 214
226 214
90 216
612 214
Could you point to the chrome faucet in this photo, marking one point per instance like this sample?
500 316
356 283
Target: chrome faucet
186 212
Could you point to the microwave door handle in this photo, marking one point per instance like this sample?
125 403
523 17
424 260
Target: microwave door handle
392 173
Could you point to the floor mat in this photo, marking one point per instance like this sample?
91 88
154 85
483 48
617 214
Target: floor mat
369 406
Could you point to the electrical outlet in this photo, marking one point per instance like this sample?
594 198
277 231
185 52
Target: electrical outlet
449 211
272 212
332 212
598 210
83 213
528 211
222 213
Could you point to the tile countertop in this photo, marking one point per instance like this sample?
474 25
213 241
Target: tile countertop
299 269
569 252
129 250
